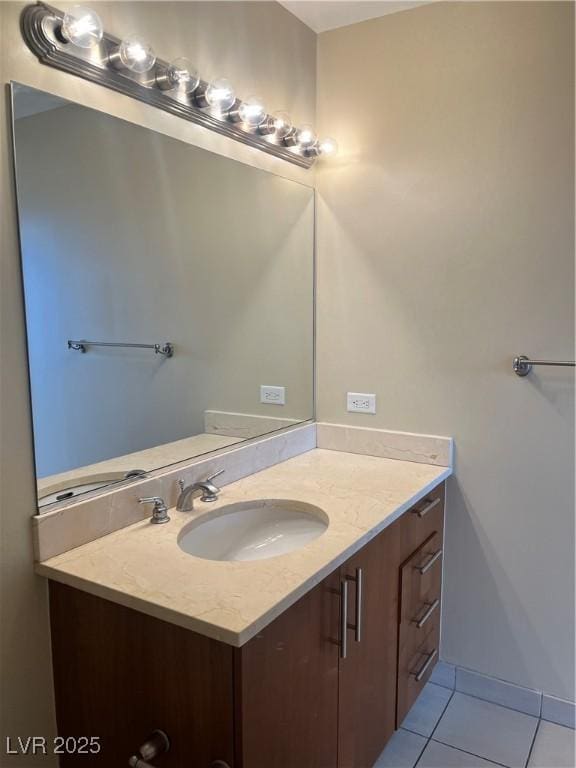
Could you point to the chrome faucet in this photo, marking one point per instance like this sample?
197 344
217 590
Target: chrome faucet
160 510
207 489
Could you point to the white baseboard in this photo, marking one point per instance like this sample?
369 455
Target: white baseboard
527 700
559 711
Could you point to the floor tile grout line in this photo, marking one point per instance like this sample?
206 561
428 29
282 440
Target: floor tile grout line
541 705
429 738
496 704
439 685
533 742
541 695
488 760
463 750
415 733
472 754
555 722
421 752
442 715
424 735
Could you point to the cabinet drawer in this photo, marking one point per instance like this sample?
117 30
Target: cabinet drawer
421 584
419 632
414 669
421 521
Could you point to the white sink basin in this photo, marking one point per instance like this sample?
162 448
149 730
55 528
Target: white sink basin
253 530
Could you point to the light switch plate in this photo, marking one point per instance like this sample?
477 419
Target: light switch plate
272 395
359 402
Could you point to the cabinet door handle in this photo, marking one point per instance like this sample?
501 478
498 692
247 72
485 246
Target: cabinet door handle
422 569
424 668
357 627
343 618
157 744
428 507
431 608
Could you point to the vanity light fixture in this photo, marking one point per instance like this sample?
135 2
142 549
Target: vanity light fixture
326 147
77 43
81 26
278 124
305 137
252 112
220 95
181 76
134 53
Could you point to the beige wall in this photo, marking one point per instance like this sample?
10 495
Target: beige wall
445 248
263 49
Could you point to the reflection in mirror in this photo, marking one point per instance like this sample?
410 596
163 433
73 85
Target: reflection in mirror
168 293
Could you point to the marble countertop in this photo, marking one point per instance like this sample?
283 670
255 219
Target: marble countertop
147 459
142 566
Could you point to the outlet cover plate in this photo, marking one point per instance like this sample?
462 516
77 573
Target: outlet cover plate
272 395
360 402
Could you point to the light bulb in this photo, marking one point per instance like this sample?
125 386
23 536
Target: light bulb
281 124
136 54
82 27
181 75
327 147
305 137
220 94
252 112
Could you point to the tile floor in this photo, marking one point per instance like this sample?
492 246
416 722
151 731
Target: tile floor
447 729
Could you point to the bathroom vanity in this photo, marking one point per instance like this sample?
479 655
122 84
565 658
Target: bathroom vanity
319 679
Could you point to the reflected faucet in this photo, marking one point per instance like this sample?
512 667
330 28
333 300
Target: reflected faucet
209 492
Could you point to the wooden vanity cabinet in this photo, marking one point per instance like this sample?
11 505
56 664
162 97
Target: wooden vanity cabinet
120 674
306 698
367 676
289 698
286 684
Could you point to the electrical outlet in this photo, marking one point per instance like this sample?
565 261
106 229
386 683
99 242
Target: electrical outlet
357 402
272 395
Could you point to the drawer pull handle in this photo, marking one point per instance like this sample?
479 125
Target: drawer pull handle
422 569
424 668
343 618
431 608
428 507
357 627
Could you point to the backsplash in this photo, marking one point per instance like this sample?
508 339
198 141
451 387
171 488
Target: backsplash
77 524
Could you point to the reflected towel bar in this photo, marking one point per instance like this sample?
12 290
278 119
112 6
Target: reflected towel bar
522 365
166 349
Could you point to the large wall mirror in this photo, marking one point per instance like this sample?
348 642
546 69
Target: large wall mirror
129 237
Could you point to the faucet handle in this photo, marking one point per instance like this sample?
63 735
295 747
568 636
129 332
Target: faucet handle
216 474
158 501
160 511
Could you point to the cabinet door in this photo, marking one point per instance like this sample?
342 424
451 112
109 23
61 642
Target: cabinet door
119 675
286 687
367 682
